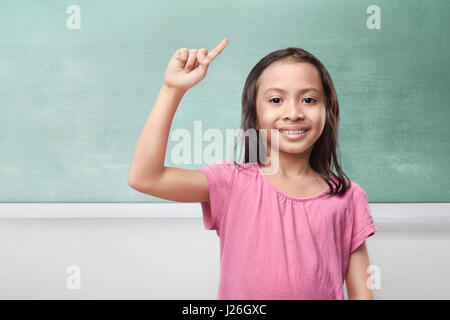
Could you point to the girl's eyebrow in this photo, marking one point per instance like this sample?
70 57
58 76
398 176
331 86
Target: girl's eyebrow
300 90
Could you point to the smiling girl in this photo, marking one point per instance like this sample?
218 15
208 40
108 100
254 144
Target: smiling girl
298 233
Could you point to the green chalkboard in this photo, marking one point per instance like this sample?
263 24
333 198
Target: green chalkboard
79 79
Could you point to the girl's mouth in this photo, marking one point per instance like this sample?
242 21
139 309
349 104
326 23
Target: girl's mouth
294 134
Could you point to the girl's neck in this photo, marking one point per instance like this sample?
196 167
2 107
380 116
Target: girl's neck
290 170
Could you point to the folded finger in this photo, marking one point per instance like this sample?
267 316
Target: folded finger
201 54
191 60
182 54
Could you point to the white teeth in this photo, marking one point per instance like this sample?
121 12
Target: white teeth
292 132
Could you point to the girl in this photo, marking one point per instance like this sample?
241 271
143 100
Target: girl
296 234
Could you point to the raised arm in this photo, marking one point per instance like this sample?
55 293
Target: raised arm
147 173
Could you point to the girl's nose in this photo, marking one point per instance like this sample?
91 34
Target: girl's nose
293 111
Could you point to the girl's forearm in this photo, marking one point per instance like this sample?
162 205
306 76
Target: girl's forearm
366 296
148 158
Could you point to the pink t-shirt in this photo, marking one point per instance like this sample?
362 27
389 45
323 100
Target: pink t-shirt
277 247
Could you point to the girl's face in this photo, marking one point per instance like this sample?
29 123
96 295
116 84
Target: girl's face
300 102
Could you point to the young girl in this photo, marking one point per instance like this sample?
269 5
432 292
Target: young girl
298 233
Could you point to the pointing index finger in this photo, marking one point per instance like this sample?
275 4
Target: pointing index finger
215 52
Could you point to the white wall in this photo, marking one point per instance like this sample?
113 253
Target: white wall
176 258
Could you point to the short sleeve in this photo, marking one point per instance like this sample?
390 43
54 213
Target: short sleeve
363 225
220 176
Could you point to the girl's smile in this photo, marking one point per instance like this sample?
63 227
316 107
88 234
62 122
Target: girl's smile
294 135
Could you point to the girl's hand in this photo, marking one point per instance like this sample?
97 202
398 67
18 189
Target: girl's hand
188 67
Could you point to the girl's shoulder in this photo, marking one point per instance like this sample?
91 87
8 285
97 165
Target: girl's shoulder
229 169
356 191
246 168
238 168
249 166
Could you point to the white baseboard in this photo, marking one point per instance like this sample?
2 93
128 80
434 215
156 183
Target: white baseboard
434 216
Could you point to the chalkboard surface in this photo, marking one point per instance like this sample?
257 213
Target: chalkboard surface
78 81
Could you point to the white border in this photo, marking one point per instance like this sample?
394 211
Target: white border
421 216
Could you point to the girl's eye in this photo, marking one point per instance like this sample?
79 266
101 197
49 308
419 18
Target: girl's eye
311 99
303 99
274 99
